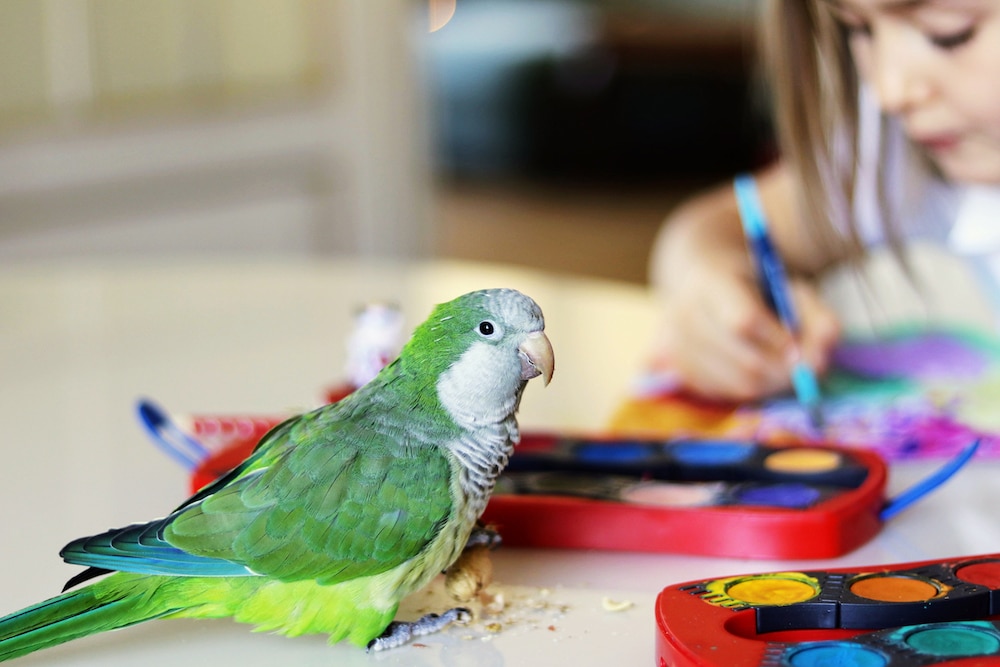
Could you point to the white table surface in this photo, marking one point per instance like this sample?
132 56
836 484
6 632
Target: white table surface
80 343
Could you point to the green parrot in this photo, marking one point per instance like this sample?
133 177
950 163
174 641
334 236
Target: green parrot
339 513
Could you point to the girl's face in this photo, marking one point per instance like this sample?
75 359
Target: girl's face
936 65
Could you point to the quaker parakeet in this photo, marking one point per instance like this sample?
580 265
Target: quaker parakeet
338 513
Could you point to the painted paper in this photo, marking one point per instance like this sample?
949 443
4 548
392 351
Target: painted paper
908 393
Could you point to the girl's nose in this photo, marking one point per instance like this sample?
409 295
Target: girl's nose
900 76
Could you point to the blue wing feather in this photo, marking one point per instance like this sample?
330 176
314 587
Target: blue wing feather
140 548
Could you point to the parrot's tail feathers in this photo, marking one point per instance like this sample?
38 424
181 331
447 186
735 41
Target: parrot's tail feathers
70 616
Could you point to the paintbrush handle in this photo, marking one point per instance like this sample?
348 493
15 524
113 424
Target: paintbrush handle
770 269
774 286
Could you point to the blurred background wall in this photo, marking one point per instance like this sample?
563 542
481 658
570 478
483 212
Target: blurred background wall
210 126
565 130
553 133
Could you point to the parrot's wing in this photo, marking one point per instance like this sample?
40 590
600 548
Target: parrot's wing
324 499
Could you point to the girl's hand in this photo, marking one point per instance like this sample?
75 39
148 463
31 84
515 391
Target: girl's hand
725 343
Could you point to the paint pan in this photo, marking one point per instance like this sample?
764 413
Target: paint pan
926 613
808 460
763 590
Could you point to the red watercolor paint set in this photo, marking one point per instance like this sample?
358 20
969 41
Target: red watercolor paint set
726 498
924 613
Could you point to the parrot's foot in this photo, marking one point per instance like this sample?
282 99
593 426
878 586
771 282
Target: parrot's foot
481 536
400 632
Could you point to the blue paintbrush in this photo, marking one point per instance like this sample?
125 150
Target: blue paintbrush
774 286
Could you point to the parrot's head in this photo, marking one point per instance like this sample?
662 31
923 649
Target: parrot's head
482 348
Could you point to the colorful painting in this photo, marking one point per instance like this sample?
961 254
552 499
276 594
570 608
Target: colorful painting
910 393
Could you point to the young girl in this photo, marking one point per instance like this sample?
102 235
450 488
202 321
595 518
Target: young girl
888 115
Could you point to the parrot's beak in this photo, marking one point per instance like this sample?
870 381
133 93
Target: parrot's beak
537 357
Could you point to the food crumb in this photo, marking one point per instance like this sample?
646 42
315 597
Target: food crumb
492 603
615 605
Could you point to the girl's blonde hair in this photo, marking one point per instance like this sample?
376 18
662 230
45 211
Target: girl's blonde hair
815 91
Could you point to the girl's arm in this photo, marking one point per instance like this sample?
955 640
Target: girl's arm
717 332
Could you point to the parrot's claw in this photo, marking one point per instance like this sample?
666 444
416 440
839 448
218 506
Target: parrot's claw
400 632
481 536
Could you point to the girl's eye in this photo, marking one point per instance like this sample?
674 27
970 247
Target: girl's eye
953 40
858 29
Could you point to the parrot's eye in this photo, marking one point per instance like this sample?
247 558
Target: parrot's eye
486 328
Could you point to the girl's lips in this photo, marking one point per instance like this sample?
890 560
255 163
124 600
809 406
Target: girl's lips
938 143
